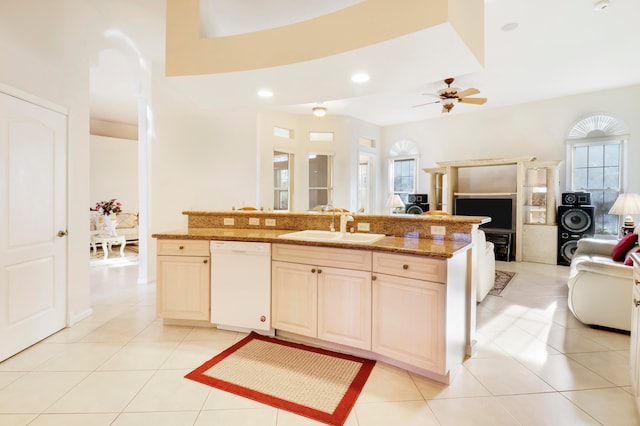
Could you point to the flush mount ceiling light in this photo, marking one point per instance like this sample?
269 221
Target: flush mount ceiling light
319 111
360 77
265 93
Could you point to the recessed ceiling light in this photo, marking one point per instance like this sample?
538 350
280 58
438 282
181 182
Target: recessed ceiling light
264 93
510 26
601 5
360 77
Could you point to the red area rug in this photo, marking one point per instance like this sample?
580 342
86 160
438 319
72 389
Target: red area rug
315 383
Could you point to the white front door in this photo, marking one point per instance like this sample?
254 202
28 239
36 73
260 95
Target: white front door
33 202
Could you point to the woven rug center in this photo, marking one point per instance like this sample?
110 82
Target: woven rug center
306 378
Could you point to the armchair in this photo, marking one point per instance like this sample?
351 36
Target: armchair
599 286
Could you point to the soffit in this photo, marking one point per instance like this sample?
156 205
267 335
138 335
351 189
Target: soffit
363 24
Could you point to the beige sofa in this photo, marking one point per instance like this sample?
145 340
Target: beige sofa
127 225
599 287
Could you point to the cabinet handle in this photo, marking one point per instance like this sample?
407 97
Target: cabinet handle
319 270
636 302
263 318
373 278
181 247
405 266
313 271
205 261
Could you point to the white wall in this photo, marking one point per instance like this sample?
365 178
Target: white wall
114 171
536 129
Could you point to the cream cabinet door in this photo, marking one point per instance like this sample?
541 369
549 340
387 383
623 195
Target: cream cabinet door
540 244
634 354
183 287
409 321
294 298
344 307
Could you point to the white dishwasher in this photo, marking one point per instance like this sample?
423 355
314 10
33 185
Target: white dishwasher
241 285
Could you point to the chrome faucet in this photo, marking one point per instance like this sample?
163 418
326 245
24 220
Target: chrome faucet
332 227
344 219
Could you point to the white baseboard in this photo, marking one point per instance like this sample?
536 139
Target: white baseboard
73 318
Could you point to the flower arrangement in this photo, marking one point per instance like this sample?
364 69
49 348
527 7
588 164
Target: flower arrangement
112 206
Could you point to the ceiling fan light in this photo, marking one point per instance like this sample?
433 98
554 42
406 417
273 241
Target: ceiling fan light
448 92
447 101
319 111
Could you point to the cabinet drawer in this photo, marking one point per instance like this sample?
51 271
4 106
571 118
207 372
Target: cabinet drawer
183 247
416 267
323 256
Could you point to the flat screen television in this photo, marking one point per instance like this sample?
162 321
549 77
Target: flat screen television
500 210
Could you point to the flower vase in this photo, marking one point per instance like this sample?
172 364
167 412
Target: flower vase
110 225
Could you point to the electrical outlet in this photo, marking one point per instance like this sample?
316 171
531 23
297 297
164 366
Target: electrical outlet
270 222
438 230
363 227
229 221
254 221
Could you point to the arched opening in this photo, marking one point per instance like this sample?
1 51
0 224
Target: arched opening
119 115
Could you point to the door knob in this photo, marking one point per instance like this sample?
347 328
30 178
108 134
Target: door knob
61 233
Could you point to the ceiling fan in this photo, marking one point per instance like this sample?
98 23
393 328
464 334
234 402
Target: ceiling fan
449 95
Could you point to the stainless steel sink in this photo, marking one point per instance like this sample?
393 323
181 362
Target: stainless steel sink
334 237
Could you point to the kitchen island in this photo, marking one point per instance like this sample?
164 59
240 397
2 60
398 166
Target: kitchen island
404 299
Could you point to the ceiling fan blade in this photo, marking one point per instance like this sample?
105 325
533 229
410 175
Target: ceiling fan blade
434 95
428 103
477 101
468 92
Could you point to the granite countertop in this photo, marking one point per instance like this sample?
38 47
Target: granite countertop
397 244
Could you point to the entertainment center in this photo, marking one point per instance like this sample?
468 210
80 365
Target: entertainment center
523 225
501 209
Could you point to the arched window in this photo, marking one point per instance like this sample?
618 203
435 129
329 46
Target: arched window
596 146
403 167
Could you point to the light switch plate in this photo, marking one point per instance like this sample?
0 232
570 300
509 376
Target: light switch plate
254 221
438 230
229 221
363 227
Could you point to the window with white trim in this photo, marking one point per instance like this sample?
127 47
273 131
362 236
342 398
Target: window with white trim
320 179
595 152
282 180
404 177
403 167
596 168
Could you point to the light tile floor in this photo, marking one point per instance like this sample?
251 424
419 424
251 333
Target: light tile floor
535 365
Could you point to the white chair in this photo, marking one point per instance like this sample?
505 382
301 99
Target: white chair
484 265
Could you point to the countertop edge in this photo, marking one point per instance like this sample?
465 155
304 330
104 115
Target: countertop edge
444 249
